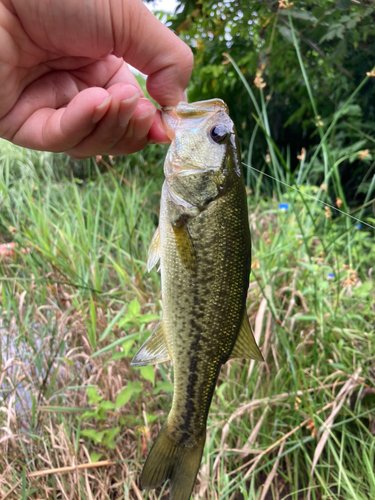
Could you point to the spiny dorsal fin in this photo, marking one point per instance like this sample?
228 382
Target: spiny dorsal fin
246 346
154 250
154 350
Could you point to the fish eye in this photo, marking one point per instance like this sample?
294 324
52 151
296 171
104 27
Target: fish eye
219 133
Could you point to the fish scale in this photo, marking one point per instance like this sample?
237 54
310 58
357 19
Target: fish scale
203 243
216 290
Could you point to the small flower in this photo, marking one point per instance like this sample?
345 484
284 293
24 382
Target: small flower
285 4
338 202
258 81
297 402
283 207
319 123
330 276
359 226
302 156
311 426
98 158
363 154
268 158
348 282
268 97
371 73
323 187
255 264
327 212
227 60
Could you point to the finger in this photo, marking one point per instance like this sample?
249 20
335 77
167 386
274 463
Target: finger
153 49
157 131
127 121
58 130
58 88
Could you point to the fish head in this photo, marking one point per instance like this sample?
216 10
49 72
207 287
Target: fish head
204 150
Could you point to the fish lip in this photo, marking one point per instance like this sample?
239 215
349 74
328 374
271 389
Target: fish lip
169 119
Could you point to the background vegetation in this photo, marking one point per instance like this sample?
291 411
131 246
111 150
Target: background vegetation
76 300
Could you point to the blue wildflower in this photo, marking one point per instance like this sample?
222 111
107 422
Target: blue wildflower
359 226
284 206
330 276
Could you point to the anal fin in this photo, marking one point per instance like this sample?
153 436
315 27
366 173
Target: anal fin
246 346
154 350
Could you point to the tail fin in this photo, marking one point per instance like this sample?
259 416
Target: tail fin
170 460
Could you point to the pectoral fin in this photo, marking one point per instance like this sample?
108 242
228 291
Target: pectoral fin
154 250
184 244
246 346
154 350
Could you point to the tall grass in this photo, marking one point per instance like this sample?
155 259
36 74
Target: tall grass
76 303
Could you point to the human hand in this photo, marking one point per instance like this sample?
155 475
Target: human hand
64 82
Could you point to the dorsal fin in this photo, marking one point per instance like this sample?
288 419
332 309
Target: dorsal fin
246 346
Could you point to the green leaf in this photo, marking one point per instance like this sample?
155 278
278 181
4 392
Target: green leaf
118 355
286 33
148 373
134 308
107 405
127 346
109 438
94 456
96 436
90 414
123 397
147 318
299 14
93 395
162 386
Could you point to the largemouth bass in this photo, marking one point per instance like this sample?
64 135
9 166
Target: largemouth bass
203 243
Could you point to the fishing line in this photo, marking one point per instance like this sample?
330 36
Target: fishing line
310 196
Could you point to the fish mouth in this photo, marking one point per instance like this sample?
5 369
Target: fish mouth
169 119
170 115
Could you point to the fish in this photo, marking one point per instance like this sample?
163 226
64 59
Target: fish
204 248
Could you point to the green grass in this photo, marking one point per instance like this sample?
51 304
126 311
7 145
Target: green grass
76 302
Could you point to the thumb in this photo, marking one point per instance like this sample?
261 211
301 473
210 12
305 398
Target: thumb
152 48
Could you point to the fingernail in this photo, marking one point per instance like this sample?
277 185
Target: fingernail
142 123
101 110
126 109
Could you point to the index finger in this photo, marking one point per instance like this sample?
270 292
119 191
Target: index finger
153 49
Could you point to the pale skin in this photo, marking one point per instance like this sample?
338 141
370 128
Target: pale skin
64 80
